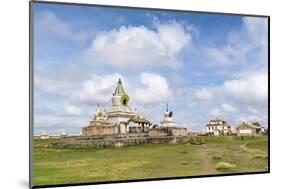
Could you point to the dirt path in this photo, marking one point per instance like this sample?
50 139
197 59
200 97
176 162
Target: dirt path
205 159
253 152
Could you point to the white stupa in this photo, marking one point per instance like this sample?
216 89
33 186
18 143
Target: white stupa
168 120
121 110
117 119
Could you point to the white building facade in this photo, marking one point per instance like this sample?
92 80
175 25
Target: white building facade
218 127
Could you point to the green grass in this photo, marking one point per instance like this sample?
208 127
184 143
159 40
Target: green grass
61 166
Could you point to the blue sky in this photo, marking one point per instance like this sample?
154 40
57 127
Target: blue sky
204 65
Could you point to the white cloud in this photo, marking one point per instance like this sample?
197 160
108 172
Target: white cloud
224 110
216 112
247 89
228 108
155 89
176 79
138 46
204 94
51 86
71 109
247 44
250 90
245 96
98 89
259 114
149 89
55 124
49 23
257 29
219 56
253 111
45 85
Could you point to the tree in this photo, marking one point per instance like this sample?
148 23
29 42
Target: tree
256 123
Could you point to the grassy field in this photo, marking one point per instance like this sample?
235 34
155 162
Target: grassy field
219 155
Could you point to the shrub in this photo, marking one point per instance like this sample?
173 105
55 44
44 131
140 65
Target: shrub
198 141
225 166
216 157
260 155
196 162
184 162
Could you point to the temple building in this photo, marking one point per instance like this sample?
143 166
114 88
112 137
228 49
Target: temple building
218 127
119 119
249 129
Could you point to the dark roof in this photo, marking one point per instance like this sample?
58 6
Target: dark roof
244 124
215 120
138 120
217 124
123 121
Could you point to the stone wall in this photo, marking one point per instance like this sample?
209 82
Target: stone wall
117 141
158 132
97 130
167 131
178 131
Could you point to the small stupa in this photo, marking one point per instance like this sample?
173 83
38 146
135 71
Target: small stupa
168 120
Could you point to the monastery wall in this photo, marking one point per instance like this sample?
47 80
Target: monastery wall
167 131
157 132
117 141
177 131
100 130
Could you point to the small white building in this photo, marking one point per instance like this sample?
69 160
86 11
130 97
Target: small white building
249 129
44 135
218 127
137 124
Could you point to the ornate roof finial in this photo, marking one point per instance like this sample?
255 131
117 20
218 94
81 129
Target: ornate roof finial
167 107
119 89
98 107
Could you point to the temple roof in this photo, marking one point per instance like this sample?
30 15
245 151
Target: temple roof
119 89
138 119
216 122
247 124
